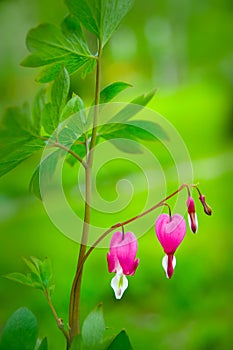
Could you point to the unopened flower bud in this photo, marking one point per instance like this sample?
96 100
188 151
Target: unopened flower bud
207 208
192 216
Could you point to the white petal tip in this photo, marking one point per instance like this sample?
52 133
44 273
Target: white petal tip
195 223
119 284
165 264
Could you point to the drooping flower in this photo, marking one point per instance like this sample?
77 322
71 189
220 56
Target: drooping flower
121 260
192 216
170 231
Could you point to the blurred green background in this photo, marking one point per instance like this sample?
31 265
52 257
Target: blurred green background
183 48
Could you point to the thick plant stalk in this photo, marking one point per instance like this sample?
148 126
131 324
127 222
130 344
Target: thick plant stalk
74 312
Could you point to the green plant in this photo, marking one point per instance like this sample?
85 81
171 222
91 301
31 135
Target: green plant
60 122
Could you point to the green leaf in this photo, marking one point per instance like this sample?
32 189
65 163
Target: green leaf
144 99
110 91
32 279
147 130
55 47
20 331
87 68
73 129
59 94
51 113
46 272
50 72
127 146
76 106
16 123
106 342
93 329
71 28
88 12
134 107
134 130
73 32
43 345
47 118
37 263
37 108
39 277
44 170
36 281
18 138
23 150
101 17
19 278
69 132
121 342
31 265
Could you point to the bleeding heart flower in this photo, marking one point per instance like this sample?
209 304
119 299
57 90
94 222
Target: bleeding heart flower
170 231
192 216
121 260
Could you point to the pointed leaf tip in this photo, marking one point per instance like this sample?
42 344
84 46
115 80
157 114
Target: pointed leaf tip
112 90
121 341
43 345
93 328
144 99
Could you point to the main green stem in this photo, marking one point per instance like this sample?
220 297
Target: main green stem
74 312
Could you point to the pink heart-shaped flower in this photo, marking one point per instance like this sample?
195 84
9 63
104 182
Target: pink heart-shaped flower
170 231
